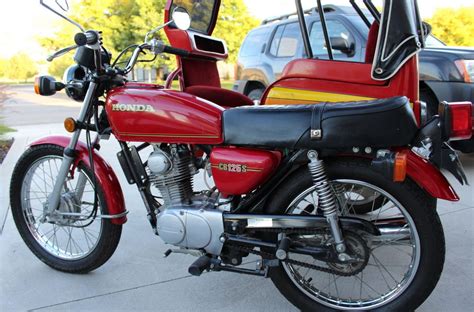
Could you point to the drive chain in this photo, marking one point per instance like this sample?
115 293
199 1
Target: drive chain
271 256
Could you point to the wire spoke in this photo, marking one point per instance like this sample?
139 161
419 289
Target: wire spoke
377 281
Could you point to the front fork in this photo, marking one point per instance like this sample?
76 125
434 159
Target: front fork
69 156
327 202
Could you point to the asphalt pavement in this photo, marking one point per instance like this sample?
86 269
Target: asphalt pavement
24 107
138 278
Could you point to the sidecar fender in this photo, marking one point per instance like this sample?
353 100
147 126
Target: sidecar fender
103 171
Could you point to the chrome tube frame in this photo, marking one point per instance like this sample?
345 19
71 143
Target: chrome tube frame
55 197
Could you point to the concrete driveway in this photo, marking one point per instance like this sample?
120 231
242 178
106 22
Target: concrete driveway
138 278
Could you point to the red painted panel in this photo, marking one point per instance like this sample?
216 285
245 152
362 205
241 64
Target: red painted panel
104 173
429 178
331 70
348 78
201 67
164 116
238 171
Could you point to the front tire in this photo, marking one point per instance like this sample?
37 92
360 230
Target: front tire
421 214
68 244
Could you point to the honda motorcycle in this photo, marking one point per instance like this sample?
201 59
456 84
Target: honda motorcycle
286 178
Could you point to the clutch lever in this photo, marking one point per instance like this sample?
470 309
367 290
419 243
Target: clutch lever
61 52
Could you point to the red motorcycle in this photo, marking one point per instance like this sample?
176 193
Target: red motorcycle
289 180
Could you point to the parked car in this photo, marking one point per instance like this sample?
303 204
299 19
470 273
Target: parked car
446 73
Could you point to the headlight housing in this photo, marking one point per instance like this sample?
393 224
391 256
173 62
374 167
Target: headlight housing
76 86
466 68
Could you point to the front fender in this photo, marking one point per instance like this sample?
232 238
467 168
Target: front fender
103 171
429 178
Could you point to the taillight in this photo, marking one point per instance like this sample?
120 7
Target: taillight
456 119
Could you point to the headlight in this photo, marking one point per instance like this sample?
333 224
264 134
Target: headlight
466 68
76 87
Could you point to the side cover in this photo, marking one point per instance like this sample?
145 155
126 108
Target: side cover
238 171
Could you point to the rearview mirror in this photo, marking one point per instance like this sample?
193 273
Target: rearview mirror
343 45
181 18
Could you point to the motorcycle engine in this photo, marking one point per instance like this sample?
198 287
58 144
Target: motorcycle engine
172 173
185 220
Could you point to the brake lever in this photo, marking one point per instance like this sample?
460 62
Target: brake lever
61 52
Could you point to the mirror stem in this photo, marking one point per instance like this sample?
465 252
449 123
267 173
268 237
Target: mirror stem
151 32
63 16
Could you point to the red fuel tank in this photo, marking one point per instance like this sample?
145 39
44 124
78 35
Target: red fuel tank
149 113
238 171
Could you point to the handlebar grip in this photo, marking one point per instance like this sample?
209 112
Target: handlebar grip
176 51
89 37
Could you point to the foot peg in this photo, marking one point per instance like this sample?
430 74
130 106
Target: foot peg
283 247
201 264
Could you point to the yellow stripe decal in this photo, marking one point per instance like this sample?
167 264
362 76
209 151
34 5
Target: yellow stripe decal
278 95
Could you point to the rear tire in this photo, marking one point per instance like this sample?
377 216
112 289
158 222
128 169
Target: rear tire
44 248
427 96
420 207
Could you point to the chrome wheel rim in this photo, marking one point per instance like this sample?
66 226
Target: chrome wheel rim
392 265
69 239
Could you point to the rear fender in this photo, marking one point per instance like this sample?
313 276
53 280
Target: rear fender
429 178
103 171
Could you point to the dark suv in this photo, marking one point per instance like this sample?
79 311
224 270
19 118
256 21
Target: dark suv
446 73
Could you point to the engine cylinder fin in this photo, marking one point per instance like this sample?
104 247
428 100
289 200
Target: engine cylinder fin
176 185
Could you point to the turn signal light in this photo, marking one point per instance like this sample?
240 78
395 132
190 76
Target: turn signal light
37 85
400 167
70 124
47 85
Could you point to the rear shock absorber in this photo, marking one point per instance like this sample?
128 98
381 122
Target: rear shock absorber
326 201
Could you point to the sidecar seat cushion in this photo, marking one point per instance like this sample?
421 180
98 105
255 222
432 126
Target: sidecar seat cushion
219 96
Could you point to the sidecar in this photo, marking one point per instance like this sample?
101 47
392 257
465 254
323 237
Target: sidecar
390 66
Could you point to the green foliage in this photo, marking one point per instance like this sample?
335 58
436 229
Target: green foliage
19 67
3 67
454 26
59 65
233 25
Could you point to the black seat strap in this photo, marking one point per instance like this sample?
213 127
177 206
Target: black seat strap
316 132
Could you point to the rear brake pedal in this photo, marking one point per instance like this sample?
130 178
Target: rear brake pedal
198 266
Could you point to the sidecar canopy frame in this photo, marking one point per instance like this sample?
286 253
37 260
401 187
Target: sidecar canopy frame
401 33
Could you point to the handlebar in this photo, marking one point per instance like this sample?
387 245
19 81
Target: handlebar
157 47
86 38
176 51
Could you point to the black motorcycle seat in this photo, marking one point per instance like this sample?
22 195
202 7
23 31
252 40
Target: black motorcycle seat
378 123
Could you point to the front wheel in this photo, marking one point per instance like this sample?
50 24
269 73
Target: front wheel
400 268
74 238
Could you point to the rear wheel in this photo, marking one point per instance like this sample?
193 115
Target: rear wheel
400 269
74 239
427 96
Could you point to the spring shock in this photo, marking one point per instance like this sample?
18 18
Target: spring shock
326 200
